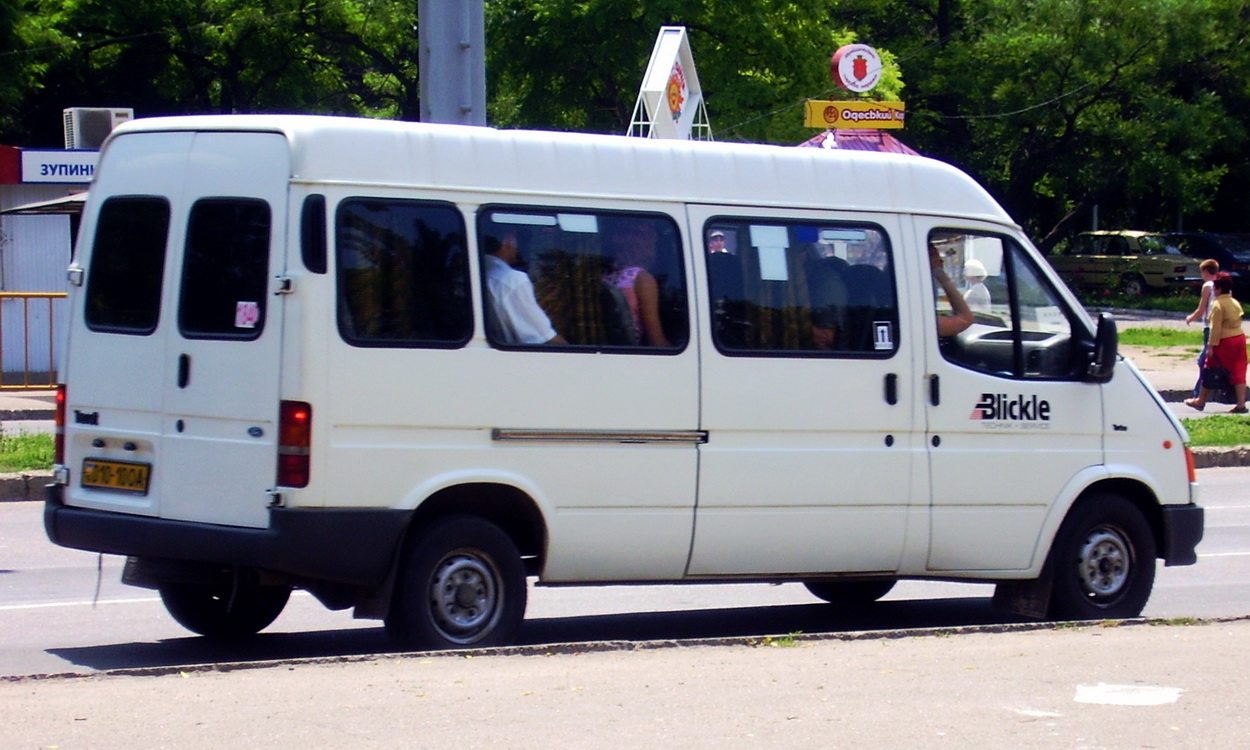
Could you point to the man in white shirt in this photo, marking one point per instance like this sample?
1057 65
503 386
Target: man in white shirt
513 314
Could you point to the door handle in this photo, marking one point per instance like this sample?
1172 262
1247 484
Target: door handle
935 390
184 370
891 389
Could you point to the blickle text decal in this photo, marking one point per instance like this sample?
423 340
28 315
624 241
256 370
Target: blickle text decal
998 411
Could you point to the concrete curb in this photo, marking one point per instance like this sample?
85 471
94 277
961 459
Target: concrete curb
1216 458
27 415
1175 397
23 486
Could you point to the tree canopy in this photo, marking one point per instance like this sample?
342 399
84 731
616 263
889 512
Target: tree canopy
1057 106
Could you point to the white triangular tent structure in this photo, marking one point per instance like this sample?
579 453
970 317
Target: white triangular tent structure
670 101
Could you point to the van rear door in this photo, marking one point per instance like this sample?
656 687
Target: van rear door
191 394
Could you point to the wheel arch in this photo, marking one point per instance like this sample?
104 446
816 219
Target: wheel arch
1031 597
511 508
1133 489
1137 493
508 507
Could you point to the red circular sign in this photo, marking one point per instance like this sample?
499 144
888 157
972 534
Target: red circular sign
856 67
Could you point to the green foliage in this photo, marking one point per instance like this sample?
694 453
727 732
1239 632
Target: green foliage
1060 106
25 452
1218 430
578 65
224 56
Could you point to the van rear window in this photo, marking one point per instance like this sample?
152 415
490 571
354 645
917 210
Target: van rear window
127 265
225 272
403 275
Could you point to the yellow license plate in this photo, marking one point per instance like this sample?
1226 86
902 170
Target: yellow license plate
116 475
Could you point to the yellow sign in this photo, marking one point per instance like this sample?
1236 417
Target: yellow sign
851 115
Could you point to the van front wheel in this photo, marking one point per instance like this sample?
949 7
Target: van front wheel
225 610
1103 561
460 584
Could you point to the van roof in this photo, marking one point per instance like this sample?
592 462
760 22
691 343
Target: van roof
345 150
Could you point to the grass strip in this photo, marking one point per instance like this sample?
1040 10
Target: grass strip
26 452
1218 430
1161 337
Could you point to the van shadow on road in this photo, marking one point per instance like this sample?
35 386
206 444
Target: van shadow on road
737 622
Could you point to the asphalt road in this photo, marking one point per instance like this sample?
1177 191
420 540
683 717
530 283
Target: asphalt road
65 611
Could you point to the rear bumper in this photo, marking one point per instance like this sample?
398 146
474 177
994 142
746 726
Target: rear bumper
1182 531
347 546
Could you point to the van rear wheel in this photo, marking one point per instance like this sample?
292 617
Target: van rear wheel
461 584
224 610
1103 561
849 593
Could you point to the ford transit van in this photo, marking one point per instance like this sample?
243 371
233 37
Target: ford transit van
408 367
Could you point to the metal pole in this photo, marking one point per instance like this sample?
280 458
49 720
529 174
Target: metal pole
451 35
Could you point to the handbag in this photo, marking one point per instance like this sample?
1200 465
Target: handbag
1215 377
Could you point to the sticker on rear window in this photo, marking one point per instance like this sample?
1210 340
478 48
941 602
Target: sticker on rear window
246 314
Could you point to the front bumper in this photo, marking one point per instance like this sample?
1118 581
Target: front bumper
1182 531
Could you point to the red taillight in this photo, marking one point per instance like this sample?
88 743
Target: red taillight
294 444
1189 465
58 439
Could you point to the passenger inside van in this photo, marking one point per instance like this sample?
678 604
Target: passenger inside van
633 252
512 311
960 315
801 287
977 295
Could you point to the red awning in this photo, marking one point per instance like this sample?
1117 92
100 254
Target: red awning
859 140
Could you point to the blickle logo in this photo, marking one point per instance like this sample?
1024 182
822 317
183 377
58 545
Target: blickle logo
1000 407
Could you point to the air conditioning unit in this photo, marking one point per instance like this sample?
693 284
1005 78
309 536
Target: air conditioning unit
87 127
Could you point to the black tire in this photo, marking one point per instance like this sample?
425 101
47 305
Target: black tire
849 593
224 611
461 583
1103 561
1133 285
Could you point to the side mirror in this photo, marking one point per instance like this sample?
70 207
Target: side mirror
1106 345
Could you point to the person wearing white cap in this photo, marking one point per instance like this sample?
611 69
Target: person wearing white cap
716 242
977 296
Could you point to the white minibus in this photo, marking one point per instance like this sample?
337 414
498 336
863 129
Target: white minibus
407 367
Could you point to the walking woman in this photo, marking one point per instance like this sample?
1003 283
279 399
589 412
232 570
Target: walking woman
1206 298
1227 347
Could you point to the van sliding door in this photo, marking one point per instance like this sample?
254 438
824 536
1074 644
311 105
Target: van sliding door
807 401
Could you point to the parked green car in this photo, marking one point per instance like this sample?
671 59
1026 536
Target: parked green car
1131 261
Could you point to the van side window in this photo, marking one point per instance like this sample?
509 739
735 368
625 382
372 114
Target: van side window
781 287
127 265
403 275
1021 327
225 270
312 233
601 280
